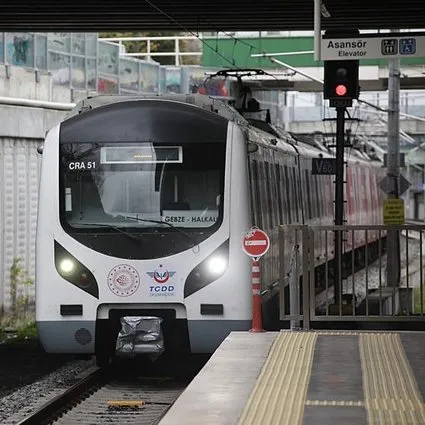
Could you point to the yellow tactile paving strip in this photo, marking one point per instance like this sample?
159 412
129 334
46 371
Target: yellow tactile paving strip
279 394
391 393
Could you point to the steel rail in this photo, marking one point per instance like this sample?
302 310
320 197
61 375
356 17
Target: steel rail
53 408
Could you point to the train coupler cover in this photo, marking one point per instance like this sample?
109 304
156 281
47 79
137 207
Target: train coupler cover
140 335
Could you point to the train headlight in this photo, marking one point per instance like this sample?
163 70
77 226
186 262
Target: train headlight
67 266
217 265
208 270
74 271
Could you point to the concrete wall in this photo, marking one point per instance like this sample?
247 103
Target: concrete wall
38 85
22 130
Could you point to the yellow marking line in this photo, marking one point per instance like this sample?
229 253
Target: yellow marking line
391 393
344 333
279 394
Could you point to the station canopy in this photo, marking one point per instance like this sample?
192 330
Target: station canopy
203 15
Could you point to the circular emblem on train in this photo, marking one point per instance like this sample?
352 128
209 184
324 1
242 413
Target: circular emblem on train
123 280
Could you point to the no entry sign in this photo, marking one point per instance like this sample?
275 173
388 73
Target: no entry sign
256 243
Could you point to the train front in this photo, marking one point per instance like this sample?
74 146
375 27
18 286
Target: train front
132 228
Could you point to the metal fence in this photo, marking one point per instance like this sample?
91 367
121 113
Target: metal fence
310 289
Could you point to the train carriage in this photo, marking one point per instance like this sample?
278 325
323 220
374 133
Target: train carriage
144 201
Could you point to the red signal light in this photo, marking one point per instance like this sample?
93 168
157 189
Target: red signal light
340 90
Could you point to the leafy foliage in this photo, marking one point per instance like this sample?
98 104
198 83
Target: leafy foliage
20 324
13 329
19 279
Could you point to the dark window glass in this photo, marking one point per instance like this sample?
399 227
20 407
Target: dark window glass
106 184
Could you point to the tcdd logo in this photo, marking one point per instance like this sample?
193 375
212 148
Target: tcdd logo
161 276
162 289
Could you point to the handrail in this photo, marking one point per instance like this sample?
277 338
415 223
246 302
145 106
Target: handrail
33 103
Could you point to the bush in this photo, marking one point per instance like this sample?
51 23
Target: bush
20 324
417 300
19 279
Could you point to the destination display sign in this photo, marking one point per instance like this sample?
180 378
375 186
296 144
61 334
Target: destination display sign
141 154
374 46
190 218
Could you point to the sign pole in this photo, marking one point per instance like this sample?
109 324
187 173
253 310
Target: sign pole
255 244
317 29
339 201
393 170
257 325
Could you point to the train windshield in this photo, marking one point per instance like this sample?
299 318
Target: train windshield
128 184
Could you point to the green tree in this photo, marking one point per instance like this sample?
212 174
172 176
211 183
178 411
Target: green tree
158 46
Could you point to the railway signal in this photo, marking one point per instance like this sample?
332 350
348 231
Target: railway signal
341 79
340 86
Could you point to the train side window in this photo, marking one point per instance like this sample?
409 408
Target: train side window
357 195
281 219
275 192
269 198
263 207
318 197
320 191
368 190
288 194
295 196
311 194
304 203
255 187
308 193
282 190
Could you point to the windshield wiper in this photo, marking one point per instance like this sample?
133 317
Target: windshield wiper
110 226
148 220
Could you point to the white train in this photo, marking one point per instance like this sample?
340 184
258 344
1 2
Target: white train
143 204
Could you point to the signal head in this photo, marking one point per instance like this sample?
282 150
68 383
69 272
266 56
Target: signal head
341 79
341 72
340 90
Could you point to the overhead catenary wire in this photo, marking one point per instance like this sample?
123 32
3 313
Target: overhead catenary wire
236 40
189 31
232 62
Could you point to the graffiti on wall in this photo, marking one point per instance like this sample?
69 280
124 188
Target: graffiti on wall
212 87
19 48
107 86
173 80
198 82
149 79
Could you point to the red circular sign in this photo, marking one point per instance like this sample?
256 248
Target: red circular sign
256 243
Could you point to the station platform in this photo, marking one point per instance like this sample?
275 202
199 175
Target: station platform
306 378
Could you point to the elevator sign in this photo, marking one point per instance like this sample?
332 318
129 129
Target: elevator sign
374 46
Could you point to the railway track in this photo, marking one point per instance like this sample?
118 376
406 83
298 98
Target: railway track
118 395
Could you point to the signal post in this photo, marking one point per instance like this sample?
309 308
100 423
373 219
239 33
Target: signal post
341 86
255 244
